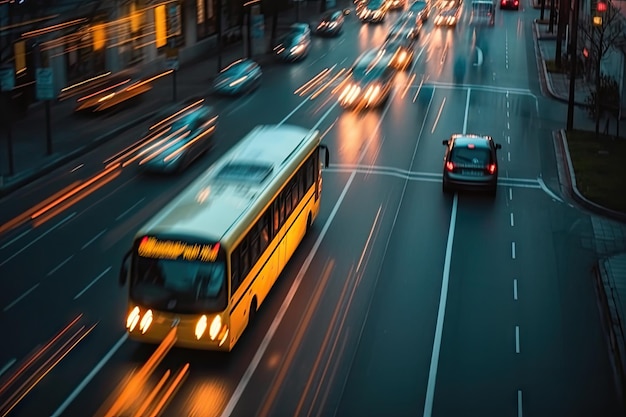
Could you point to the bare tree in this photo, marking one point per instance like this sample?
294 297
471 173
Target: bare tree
600 35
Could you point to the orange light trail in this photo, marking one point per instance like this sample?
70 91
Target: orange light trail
313 81
171 390
73 192
27 22
408 85
103 90
63 90
194 104
53 28
188 144
150 398
325 86
149 80
153 146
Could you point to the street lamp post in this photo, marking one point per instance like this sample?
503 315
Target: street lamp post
574 60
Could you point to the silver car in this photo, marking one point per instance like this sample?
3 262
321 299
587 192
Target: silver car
178 139
240 77
295 44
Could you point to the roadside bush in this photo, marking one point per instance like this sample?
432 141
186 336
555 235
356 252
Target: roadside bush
607 95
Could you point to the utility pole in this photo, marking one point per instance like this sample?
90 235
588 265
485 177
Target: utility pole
572 74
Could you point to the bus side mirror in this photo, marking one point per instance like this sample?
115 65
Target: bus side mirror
326 156
124 269
445 142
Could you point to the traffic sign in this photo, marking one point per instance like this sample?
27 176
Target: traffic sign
7 79
45 84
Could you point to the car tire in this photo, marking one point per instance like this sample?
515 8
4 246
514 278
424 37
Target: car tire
445 188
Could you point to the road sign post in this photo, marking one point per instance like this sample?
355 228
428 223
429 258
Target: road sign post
45 92
171 62
7 83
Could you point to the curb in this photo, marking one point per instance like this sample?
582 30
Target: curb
617 349
576 194
33 174
546 78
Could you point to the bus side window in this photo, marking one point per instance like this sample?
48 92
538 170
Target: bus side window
264 232
235 271
275 219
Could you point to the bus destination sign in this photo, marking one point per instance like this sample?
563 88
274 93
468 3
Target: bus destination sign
151 247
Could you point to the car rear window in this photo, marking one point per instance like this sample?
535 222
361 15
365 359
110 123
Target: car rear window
475 156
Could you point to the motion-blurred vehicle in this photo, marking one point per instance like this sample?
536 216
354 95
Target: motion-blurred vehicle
406 28
295 44
448 17
373 11
420 9
483 13
369 82
113 97
401 49
240 77
396 4
330 23
509 4
470 162
179 138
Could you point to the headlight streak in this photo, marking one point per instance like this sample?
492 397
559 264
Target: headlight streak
103 90
178 113
130 391
302 90
408 85
44 360
170 143
150 148
325 86
188 144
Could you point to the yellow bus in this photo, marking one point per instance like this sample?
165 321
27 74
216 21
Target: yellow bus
207 260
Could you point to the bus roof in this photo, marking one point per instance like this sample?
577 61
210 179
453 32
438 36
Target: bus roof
228 193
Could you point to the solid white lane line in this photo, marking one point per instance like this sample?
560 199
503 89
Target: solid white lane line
269 335
59 266
92 282
7 366
282 122
128 210
443 103
15 239
545 188
513 250
20 298
512 221
434 360
467 103
516 339
89 377
519 403
93 239
515 289
37 239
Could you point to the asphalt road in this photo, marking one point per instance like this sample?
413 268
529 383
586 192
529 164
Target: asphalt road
402 301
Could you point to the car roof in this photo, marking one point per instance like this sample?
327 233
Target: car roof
480 141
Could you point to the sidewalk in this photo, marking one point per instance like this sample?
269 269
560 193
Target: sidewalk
74 135
609 227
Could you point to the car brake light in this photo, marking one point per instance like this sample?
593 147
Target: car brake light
491 168
450 166
516 2
503 2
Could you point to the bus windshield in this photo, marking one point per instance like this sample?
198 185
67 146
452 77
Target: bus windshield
180 286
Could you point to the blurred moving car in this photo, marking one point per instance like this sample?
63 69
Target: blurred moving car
331 23
179 138
509 4
113 96
406 28
240 77
483 13
470 162
402 49
396 4
420 9
448 17
370 81
372 11
295 44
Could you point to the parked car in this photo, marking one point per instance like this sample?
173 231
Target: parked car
179 138
330 23
295 44
470 162
240 77
369 82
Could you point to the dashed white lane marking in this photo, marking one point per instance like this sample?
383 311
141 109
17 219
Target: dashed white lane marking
516 339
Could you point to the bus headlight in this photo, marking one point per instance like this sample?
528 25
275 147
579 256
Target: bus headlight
145 322
132 319
216 326
200 327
